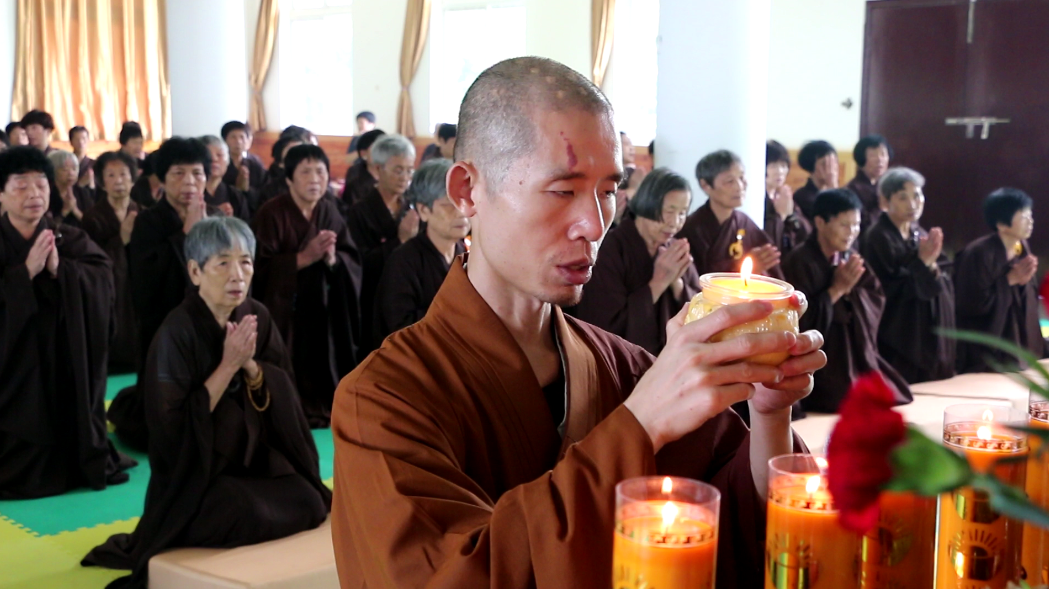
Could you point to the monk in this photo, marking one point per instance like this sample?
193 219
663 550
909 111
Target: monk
110 224
39 126
147 190
481 446
846 301
228 199
69 200
309 275
275 183
16 134
132 142
719 235
232 460
246 171
56 300
872 155
415 271
644 275
360 179
785 225
915 274
820 160
383 218
79 137
995 283
156 262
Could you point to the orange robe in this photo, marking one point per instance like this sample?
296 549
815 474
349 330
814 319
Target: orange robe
449 470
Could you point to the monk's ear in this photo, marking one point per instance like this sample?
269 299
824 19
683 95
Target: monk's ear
820 223
196 273
462 181
705 186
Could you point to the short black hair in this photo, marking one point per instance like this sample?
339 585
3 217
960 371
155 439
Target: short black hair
297 132
77 129
181 151
39 117
22 160
859 153
128 131
301 153
715 163
1002 205
115 156
775 152
277 151
446 131
368 138
831 203
13 125
812 152
652 148
648 201
149 164
234 126
366 115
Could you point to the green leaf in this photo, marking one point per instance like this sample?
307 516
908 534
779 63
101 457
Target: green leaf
975 337
1010 501
926 467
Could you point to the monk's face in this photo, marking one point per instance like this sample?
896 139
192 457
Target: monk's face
906 206
877 162
39 137
219 161
184 184
18 137
238 141
79 141
840 232
225 278
309 182
775 176
66 173
444 220
25 197
675 211
395 176
116 180
1021 227
540 228
133 147
729 187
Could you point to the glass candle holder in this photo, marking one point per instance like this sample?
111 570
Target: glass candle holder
722 289
977 546
1036 540
899 552
805 547
666 533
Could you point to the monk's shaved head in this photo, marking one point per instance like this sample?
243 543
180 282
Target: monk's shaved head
496 119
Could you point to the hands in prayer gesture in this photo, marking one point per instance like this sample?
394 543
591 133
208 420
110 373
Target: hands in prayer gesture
846 277
127 226
239 347
930 246
196 211
765 258
783 201
671 263
321 247
43 254
409 226
1023 270
243 178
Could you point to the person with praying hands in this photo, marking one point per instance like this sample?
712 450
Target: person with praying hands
820 160
132 142
228 199
384 219
786 227
246 171
69 200
872 155
39 125
78 139
360 177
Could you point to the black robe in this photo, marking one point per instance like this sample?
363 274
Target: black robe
917 302
785 234
868 194
849 328
410 280
315 308
713 244
274 186
85 199
223 478
102 225
359 182
987 303
805 198
54 344
228 194
256 179
618 299
142 193
86 163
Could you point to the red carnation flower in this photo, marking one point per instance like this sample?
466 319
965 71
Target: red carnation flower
859 449
1044 291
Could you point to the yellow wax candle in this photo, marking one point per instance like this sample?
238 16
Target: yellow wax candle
1036 539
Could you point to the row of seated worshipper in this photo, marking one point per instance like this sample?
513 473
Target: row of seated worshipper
878 305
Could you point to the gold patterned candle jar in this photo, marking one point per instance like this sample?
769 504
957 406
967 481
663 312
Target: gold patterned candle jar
1036 539
898 553
727 288
979 548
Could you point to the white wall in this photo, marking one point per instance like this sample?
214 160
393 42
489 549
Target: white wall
559 30
8 18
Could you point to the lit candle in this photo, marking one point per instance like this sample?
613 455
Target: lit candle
977 546
721 289
666 534
1036 539
806 547
899 552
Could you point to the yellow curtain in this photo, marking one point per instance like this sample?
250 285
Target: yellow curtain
416 28
602 31
95 63
265 39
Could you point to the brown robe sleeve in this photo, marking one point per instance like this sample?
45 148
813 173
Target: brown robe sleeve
276 271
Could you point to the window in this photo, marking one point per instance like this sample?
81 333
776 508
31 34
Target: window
468 37
316 83
634 60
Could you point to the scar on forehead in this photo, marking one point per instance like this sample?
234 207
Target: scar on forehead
570 152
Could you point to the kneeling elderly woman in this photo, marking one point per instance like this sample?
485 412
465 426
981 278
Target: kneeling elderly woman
232 458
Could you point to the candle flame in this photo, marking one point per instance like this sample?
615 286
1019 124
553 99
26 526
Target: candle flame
988 415
983 432
812 485
821 462
668 485
746 270
670 512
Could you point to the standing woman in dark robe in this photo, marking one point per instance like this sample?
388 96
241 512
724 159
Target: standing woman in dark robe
360 178
846 302
228 199
147 190
995 281
233 462
785 225
69 201
872 155
914 273
719 234
820 160
246 171
309 276
56 299
79 137
384 219
643 275
110 223
132 142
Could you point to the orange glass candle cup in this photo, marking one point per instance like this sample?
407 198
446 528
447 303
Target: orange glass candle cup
1036 540
666 534
899 552
805 546
977 546
722 289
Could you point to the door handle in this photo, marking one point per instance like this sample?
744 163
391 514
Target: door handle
970 124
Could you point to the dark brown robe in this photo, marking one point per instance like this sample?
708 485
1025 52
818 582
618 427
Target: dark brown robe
449 470
918 301
85 199
785 234
868 194
102 225
142 193
849 328
410 280
988 304
220 478
228 194
618 299
256 172
86 163
372 225
805 199
315 308
359 182
713 244
54 344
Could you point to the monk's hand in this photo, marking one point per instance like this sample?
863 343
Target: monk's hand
226 208
672 259
38 255
783 201
693 379
930 246
317 248
243 178
846 277
1023 270
127 226
52 261
806 358
765 258
409 225
196 211
239 346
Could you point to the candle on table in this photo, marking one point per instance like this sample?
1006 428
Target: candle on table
666 534
721 289
1036 540
898 553
806 547
977 546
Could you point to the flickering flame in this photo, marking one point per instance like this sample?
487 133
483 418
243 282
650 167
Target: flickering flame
812 485
983 432
670 512
668 485
821 462
746 270
988 415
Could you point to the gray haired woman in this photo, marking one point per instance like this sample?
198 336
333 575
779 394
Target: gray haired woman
69 202
232 458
